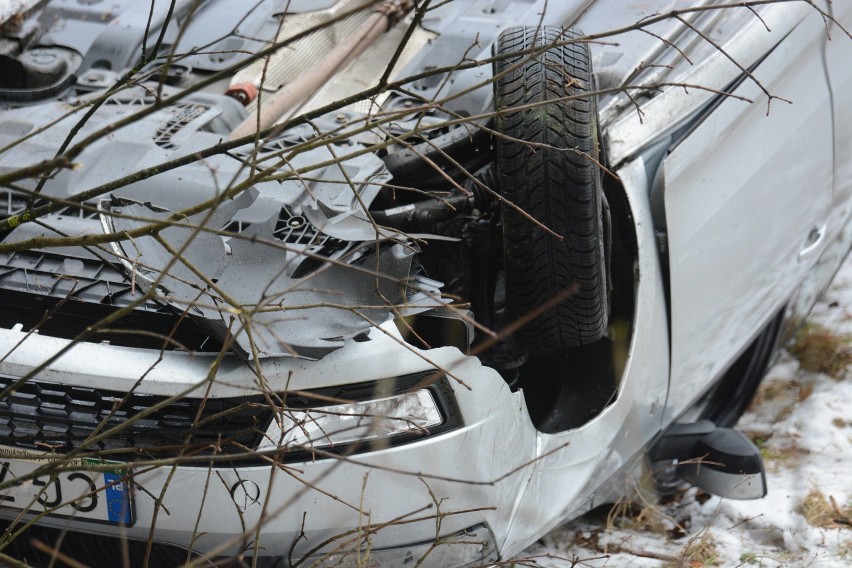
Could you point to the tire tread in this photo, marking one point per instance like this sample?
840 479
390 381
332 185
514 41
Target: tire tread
555 182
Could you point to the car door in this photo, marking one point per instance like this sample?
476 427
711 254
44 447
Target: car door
838 228
838 55
747 196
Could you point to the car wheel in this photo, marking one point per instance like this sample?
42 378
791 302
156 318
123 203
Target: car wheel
731 396
547 157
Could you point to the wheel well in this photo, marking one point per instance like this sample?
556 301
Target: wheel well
584 380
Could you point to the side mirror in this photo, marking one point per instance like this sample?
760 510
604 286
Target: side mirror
720 461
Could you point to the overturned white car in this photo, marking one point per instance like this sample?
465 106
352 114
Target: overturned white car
355 283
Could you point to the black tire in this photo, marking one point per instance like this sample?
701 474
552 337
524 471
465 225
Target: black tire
731 396
547 156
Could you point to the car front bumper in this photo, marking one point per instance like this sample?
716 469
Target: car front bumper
405 494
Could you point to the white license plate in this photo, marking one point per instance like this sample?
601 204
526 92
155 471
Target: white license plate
95 495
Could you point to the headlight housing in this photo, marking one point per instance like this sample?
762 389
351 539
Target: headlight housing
363 417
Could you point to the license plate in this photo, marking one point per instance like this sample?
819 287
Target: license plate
95 495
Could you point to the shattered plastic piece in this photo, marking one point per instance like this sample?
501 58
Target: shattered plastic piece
273 298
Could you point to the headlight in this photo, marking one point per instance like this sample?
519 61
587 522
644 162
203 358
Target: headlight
329 426
407 413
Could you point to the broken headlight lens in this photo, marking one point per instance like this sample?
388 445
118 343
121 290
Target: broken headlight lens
405 414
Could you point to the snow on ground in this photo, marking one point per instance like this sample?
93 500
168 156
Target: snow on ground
802 421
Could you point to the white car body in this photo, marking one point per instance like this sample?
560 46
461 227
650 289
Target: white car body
741 211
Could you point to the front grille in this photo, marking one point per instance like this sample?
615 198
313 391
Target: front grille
48 274
62 297
68 318
46 416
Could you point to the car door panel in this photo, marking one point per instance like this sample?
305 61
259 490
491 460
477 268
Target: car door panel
838 228
838 55
746 199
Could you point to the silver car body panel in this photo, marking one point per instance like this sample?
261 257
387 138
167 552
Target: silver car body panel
686 85
731 268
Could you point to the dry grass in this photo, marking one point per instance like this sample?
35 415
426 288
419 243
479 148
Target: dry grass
777 458
639 515
700 551
776 399
640 508
792 390
824 512
819 350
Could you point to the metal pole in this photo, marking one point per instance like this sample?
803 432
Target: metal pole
287 99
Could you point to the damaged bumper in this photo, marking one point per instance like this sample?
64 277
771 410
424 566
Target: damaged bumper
432 487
